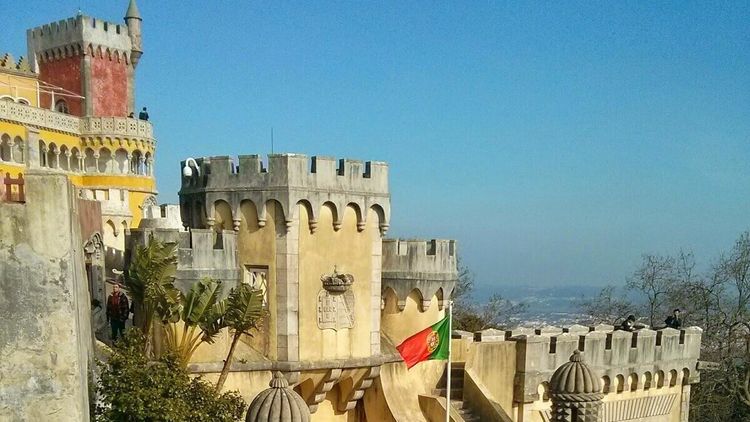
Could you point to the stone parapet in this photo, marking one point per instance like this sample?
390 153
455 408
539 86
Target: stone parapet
200 254
39 117
289 179
120 128
88 128
616 356
427 266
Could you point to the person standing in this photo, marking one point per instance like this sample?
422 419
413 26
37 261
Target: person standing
674 321
143 115
118 311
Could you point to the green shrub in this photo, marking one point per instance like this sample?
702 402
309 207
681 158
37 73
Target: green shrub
133 389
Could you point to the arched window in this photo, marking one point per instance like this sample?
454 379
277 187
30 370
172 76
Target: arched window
61 106
23 101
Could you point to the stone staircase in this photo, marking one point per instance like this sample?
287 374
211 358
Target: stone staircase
457 393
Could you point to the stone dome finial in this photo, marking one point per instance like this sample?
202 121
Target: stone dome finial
575 392
279 403
575 377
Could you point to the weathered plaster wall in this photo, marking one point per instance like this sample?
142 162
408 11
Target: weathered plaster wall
109 82
45 337
67 74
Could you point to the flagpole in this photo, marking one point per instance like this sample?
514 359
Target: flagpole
448 380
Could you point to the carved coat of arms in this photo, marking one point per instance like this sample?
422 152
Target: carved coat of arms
336 302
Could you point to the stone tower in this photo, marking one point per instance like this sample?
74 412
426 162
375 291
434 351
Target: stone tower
91 58
575 392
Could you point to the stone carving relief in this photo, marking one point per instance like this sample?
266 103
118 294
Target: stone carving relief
336 302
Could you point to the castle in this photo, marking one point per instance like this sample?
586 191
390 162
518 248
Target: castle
286 224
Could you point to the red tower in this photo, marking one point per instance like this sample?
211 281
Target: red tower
92 58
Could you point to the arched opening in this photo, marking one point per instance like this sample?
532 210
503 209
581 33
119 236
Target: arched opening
222 216
390 301
543 391
5 154
105 161
620 383
75 160
89 161
52 156
633 381
672 378
23 101
42 154
685 376
659 379
64 158
136 162
61 106
121 161
18 150
147 165
605 385
647 380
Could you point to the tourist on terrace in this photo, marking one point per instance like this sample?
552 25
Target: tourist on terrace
143 115
674 321
628 324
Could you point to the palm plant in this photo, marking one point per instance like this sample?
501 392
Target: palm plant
150 283
244 311
202 314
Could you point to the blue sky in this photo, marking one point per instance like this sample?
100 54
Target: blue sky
557 141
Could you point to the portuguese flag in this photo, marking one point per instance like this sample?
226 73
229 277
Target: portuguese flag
428 344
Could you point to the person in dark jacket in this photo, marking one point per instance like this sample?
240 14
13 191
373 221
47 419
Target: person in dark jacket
674 321
118 311
628 324
143 115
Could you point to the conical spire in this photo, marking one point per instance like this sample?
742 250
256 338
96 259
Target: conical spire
132 11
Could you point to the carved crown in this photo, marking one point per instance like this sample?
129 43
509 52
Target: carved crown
337 283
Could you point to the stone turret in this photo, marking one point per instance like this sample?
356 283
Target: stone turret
279 403
93 59
289 179
133 20
427 266
576 392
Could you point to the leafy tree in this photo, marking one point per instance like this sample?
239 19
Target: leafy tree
201 313
244 311
608 307
133 389
150 283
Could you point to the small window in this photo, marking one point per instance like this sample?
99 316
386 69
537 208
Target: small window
61 106
22 101
257 277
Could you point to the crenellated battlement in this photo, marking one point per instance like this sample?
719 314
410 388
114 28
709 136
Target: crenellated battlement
200 253
76 36
642 359
288 179
292 170
427 266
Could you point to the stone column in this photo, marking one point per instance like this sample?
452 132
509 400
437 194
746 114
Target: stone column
685 403
32 153
67 159
96 162
88 103
287 289
375 286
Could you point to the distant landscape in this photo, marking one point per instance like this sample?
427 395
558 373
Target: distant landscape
551 305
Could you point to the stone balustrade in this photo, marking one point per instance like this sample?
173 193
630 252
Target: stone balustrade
88 127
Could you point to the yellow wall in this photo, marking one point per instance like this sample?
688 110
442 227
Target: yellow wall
20 87
256 246
398 325
351 252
